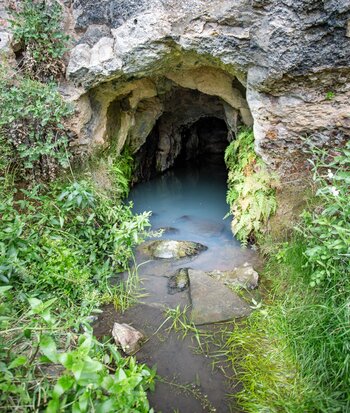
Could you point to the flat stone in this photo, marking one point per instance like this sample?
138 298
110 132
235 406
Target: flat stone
170 249
243 277
127 337
212 301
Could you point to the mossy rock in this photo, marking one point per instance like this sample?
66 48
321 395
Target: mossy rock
179 281
170 249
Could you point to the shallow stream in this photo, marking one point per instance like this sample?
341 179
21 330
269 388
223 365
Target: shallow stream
189 204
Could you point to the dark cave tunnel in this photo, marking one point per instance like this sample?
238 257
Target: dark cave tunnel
202 142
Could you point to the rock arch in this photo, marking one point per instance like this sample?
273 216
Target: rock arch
287 56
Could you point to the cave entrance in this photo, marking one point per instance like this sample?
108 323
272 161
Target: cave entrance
193 128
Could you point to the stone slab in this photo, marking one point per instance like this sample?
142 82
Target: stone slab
212 301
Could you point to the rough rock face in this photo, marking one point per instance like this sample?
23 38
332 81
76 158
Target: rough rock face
285 65
275 62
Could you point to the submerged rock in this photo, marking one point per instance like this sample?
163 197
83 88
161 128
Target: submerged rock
204 227
168 230
167 249
244 277
212 301
179 281
208 227
127 337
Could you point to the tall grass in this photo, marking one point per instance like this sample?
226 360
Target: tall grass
292 355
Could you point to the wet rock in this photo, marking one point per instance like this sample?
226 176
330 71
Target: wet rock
168 230
184 218
179 281
212 301
244 277
127 337
170 249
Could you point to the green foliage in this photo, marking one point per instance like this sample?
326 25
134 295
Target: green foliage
31 126
293 354
330 95
121 170
62 240
36 26
327 228
62 243
76 375
251 188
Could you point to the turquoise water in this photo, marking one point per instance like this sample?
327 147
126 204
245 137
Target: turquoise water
190 203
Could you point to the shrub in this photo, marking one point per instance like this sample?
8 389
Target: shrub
36 26
66 240
251 188
31 125
59 246
327 228
40 371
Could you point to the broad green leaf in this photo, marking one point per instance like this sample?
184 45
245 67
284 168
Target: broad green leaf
18 361
76 408
105 407
48 347
34 303
92 366
83 401
4 289
63 384
53 406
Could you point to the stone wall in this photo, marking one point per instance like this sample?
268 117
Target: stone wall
282 66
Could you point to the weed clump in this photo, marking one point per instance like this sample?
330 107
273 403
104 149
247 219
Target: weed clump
36 28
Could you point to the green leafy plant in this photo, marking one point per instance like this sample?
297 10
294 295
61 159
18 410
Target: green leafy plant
32 119
121 170
330 95
59 246
327 227
36 26
86 375
66 236
251 188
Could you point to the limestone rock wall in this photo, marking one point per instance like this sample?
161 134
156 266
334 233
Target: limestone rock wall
283 66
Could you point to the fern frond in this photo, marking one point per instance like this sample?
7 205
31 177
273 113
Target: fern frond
251 193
